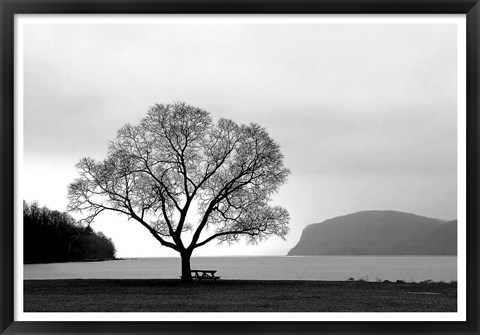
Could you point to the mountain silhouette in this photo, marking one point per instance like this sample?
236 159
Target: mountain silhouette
379 233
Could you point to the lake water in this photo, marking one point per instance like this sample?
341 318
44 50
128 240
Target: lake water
370 268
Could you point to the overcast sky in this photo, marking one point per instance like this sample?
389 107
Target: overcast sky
365 114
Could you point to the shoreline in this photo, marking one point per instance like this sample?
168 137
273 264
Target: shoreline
226 256
78 261
349 280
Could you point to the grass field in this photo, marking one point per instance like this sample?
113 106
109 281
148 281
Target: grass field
112 295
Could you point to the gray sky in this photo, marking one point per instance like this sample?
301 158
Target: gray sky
365 114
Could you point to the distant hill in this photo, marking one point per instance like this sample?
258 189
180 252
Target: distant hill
379 233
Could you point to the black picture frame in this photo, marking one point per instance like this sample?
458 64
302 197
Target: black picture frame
9 8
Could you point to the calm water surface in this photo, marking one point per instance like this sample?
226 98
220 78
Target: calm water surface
371 268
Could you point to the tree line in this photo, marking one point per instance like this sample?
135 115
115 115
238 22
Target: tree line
53 236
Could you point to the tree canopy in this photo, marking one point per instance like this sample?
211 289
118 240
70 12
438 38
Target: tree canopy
53 236
176 162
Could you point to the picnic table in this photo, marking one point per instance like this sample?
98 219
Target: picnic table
204 274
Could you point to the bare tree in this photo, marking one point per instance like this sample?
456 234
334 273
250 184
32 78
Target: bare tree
177 161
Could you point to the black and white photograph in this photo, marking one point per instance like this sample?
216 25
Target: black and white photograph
239 167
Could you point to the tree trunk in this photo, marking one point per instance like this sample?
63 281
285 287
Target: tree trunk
186 274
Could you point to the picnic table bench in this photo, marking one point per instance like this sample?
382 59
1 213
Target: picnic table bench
204 274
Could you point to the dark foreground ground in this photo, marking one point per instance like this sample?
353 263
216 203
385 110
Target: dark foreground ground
98 295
